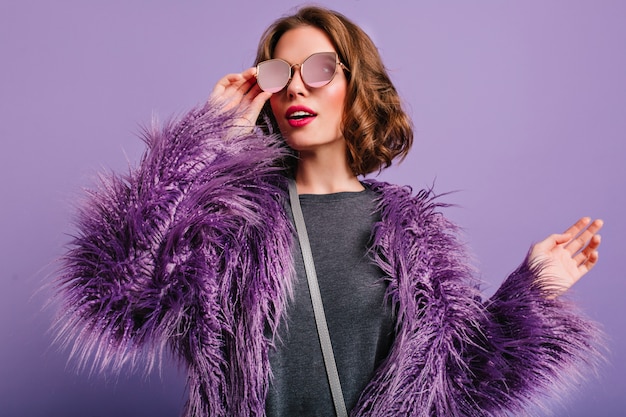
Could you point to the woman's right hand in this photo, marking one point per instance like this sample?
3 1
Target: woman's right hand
242 93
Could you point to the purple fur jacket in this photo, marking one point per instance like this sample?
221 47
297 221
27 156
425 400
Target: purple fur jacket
190 253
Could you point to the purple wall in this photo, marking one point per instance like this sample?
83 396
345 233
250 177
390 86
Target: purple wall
520 105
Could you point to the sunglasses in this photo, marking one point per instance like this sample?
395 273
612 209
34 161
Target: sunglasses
316 71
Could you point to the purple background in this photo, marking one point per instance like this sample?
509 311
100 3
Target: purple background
519 105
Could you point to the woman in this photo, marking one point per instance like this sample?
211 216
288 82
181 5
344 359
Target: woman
195 251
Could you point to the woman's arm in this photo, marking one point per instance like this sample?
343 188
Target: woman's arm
137 265
455 355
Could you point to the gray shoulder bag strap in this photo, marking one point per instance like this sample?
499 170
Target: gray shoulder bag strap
318 307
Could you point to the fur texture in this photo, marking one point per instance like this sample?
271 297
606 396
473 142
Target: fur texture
191 252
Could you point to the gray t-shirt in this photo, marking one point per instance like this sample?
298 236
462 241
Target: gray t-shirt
359 318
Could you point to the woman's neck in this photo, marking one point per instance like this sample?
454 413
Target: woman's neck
325 173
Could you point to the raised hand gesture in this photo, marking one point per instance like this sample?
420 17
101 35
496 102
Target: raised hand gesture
566 257
240 92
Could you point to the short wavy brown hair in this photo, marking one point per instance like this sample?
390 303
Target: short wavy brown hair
376 128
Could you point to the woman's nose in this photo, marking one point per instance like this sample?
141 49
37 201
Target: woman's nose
296 86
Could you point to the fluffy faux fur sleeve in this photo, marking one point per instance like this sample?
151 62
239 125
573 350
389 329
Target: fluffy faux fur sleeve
149 246
455 355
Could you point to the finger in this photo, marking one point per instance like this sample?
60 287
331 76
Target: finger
588 263
594 242
253 111
253 90
237 79
595 226
592 260
227 81
249 73
221 93
582 223
256 106
247 80
581 240
253 100
586 252
235 83
250 81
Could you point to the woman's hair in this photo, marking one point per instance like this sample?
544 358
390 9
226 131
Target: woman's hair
375 127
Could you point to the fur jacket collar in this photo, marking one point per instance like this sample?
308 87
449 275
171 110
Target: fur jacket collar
191 253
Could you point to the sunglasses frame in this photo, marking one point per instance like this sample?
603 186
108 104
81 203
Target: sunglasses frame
301 66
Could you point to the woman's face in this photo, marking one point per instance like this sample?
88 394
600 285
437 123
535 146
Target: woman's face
309 118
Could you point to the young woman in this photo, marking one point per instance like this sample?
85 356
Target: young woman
195 252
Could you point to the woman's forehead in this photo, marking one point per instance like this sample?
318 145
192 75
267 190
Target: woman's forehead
295 45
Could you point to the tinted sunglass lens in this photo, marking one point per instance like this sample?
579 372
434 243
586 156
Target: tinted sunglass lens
273 75
319 69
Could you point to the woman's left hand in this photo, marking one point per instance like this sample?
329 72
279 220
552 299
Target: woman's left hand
566 257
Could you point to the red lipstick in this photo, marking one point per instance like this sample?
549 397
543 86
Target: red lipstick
298 116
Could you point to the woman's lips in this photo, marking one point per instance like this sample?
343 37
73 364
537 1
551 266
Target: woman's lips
298 116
